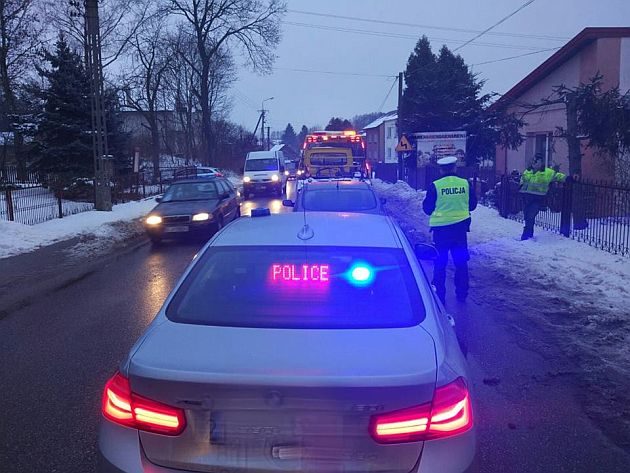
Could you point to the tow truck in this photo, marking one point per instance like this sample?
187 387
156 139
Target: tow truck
327 154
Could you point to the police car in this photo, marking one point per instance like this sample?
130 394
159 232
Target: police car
295 345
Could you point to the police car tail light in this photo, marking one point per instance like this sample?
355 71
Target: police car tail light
450 413
123 407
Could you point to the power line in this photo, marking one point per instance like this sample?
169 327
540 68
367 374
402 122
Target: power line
245 99
380 109
515 57
502 20
403 36
444 28
338 73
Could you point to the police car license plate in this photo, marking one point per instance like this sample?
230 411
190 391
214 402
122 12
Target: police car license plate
176 229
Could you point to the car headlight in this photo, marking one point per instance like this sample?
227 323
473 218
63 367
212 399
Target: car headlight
299 172
275 178
286 173
153 220
247 179
201 217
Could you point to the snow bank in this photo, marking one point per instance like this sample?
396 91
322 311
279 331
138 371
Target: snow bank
16 238
549 258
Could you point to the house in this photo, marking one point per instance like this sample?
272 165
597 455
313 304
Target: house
172 134
603 50
381 139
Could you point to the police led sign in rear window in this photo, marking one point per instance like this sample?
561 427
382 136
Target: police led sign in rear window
302 273
298 287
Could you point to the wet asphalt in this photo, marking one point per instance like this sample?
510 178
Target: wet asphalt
57 353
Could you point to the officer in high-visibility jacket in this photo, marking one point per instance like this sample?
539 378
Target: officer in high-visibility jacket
535 183
448 203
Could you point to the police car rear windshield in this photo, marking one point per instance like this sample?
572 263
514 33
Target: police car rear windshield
339 200
299 287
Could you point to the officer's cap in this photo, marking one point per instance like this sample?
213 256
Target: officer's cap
447 160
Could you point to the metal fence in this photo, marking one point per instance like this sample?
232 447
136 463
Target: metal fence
596 213
37 198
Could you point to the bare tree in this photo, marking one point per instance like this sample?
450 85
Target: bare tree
20 39
185 92
215 25
119 20
144 80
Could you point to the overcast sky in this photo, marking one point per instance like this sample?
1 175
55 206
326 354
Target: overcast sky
375 50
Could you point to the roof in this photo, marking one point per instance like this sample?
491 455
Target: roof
570 49
197 180
379 121
334 184
329 228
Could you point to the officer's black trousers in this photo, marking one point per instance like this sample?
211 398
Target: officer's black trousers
531 206
453 239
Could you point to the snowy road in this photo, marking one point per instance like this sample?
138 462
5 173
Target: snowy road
57 353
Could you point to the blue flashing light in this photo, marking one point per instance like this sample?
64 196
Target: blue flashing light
360 274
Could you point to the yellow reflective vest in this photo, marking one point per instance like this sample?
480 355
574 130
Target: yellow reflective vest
537 182
452 203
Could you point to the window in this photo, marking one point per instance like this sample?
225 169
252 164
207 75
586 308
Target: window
342 200
543 145
223 187
267 164
191 191
389 152
389 132
299 287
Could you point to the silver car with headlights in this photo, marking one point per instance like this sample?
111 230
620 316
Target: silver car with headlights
294 345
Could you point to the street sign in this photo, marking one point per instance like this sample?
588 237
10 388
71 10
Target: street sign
403 145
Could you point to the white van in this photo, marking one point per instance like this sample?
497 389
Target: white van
264 171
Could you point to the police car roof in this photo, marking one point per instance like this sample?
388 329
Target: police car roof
329 228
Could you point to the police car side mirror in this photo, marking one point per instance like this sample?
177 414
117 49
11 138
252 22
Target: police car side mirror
158 199
288 203
425 252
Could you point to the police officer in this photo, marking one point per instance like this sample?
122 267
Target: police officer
535 183
448 203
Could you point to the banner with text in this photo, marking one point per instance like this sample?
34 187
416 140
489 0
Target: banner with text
432 146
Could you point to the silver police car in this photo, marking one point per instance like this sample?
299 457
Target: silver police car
295 342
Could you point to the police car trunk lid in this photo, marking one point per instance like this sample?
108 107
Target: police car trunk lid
270 400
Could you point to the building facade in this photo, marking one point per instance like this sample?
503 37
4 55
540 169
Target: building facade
381 139
595 50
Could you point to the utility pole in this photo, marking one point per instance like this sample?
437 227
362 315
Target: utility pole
399 123
263 114
262 129
268 139
102 171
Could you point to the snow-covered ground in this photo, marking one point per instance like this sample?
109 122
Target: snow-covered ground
575 293
16 238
